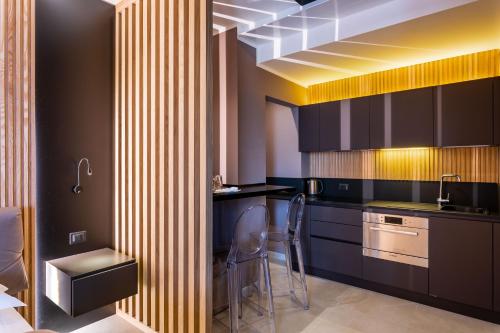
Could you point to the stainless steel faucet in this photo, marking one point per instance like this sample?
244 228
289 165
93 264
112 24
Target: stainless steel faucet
442 200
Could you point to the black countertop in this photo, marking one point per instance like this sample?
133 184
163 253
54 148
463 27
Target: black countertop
415 208
254 191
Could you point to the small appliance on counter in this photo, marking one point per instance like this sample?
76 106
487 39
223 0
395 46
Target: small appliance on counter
314 187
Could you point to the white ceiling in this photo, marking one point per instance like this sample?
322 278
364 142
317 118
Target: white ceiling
335 39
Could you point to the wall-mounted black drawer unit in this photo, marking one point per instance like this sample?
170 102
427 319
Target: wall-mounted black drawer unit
336 257
496 268
461 260
85 282
396 274
337 231
337 215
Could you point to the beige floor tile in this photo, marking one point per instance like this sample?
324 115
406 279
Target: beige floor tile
339 308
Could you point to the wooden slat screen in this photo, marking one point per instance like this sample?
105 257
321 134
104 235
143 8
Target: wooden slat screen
17 126
162 199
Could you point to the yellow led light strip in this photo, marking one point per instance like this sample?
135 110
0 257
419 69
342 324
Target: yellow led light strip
457 69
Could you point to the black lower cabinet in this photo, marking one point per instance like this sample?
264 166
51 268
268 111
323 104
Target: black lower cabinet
496 274
336 257
394 274
460 261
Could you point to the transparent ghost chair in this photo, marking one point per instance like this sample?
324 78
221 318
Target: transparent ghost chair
249 248
291 236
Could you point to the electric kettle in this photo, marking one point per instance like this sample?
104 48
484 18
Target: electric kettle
314 187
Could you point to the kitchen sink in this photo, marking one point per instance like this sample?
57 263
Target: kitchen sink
465 209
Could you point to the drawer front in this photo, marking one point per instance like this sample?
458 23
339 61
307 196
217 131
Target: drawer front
397 275
337 231
337 215
337 257
389 238
97 290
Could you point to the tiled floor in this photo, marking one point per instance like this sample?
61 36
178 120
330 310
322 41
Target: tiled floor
339 308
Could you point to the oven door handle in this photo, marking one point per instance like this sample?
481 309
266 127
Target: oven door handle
408 233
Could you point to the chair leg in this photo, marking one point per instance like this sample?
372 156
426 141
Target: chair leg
259 289
233 297
300 260
289 270
240 294
267 276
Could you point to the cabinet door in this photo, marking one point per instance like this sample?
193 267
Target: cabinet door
309 128
496 273
412 118
496 110
360 123
329 126
460 261
377 122
465 113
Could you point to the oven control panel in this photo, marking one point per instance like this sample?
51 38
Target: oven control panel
401 220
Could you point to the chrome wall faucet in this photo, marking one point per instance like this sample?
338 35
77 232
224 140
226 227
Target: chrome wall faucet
442 200
77 189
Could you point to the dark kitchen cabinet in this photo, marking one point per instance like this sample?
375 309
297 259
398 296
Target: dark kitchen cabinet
412 118
460 261
336 257
309 128
360 123
329 126
496 110
496 273
377 122
464 113
395 274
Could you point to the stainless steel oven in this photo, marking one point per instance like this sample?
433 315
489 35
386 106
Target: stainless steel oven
403 239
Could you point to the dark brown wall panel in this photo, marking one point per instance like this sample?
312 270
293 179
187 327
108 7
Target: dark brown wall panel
74 82
360 123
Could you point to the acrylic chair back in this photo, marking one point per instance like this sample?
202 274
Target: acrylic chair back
250 234
295 214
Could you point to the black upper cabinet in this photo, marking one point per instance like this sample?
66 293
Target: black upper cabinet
412 118
496 109
464 113
309 128
329 126
360 123
460 261
496 273
377 122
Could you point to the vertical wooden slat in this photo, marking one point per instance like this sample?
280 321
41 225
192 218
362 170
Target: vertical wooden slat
17 125
161 146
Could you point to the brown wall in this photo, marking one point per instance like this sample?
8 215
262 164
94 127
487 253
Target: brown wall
17 126
253 85
162 160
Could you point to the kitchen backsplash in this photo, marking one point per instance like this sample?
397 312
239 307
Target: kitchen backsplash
484 195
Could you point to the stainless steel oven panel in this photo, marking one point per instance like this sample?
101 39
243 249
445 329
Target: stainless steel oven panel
407 221
409 260
396 239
